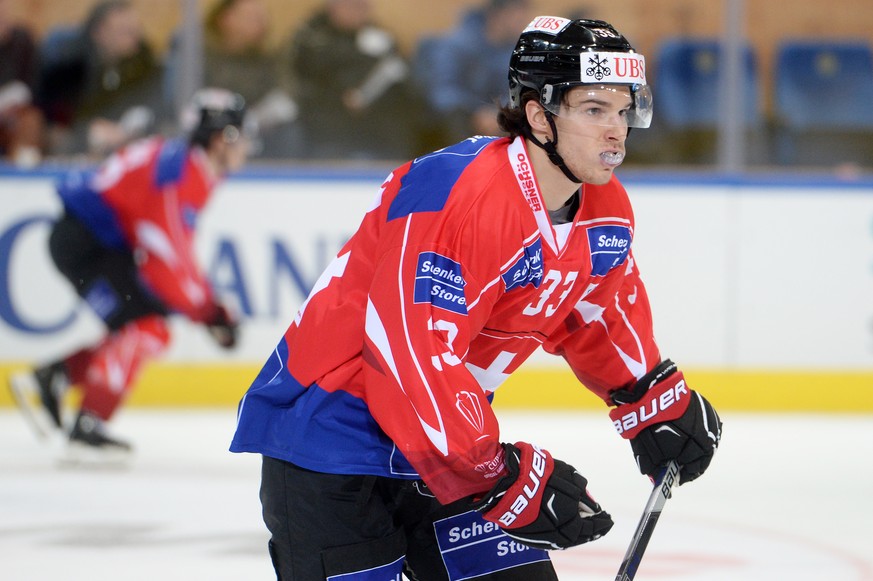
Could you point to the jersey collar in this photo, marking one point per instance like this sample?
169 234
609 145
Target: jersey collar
522 168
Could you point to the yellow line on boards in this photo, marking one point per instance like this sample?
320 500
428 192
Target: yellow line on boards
741 390
202 385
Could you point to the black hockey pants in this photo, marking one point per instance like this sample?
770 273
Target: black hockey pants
106 278
363 528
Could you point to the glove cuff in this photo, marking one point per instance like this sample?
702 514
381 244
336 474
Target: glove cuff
515 500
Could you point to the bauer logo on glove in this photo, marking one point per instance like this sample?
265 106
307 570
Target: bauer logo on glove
668 402
528 493
547 508
665 420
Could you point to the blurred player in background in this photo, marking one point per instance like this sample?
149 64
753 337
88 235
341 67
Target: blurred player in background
126 243
381 452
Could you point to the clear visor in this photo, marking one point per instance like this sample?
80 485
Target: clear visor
608 105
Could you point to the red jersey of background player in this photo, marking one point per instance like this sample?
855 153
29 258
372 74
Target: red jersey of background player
146 198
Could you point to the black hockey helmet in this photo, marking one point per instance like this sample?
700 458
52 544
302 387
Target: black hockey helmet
213 110
553 54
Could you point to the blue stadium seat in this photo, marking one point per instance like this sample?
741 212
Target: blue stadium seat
824 85
686 79
687 83
823 103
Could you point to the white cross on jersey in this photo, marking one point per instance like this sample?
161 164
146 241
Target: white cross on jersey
491 378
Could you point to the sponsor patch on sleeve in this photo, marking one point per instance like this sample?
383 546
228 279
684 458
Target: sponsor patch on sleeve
438 280
609 245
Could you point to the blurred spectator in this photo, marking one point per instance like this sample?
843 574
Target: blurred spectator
236 57
102 88
21 123
356 100
463 74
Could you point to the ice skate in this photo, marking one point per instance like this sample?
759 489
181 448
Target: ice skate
39 395
90 445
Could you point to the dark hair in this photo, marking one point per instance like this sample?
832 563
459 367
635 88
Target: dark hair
513 120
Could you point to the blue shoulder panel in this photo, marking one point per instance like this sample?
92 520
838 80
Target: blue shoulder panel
171 162
426 187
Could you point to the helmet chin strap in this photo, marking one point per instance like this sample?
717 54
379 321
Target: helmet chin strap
550 147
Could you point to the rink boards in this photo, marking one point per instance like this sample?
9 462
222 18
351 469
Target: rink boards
762 287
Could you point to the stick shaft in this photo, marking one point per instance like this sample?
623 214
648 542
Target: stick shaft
657 499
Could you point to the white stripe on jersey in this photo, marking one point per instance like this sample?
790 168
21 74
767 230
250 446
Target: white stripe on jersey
375 330
436 435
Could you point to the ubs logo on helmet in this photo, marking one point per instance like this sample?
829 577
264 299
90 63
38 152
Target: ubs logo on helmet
547 24
598 70
613 67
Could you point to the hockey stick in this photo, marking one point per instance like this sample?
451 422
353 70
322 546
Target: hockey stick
660 493
20 390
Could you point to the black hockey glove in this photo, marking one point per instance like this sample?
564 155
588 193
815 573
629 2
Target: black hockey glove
223 329
665 420
543 502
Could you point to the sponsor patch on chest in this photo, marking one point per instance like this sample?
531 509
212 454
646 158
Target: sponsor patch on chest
609 246
438 280
528 269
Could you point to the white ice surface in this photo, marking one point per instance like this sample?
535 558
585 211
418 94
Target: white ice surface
788 497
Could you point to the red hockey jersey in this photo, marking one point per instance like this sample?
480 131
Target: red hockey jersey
455 276
145 199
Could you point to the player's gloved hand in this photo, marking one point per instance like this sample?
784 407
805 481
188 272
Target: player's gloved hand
223 328
665 420
543 502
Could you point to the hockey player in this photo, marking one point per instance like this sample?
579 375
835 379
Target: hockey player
381 452
125 242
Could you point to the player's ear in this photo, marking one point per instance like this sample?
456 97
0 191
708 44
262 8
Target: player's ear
536 118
